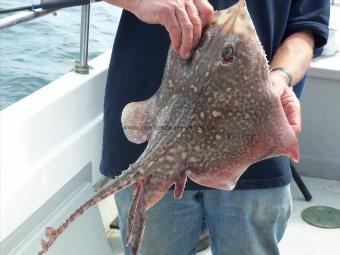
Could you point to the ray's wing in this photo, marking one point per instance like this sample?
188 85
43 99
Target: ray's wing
137 120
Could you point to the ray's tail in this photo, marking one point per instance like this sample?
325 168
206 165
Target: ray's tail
126 179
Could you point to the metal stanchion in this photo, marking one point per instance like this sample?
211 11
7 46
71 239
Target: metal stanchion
82 66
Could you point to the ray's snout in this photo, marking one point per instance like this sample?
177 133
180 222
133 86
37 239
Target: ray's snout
235 19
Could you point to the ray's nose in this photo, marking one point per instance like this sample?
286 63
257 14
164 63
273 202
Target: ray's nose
235 19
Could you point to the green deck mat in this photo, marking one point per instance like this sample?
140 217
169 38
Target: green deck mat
322 216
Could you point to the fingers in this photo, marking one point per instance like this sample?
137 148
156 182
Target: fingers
291 107
205 11
289 101
294 118
184 22
196 22
192 19
186 33
183 19
174 30
180 28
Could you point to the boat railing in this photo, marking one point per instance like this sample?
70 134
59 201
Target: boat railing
32 12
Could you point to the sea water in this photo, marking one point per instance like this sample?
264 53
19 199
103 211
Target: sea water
34 53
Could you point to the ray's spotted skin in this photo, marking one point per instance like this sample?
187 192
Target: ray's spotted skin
212 117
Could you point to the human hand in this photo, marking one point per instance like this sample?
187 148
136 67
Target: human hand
183 19
289 101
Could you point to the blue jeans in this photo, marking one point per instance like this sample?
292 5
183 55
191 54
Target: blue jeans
240 222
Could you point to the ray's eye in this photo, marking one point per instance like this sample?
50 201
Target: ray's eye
227 52
228 55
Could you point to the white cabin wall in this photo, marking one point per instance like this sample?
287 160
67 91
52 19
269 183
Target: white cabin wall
320 137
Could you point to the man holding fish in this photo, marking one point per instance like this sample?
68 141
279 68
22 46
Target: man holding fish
250 219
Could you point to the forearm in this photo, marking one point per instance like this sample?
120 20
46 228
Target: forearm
295 54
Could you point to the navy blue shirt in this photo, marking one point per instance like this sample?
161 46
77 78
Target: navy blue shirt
138 60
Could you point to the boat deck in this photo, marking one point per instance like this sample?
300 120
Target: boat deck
300 237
